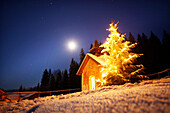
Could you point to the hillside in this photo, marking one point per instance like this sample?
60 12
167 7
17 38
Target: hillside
147 96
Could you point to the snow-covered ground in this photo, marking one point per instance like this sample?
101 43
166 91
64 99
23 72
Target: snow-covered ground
148 96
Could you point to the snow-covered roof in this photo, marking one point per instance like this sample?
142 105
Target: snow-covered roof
100 60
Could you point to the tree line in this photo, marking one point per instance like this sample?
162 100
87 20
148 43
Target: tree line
63 79
155 52
58 80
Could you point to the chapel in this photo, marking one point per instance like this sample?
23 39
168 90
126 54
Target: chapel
90 68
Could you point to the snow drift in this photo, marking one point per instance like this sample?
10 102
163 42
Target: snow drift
147 96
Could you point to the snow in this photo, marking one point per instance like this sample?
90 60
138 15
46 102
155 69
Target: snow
99 59
148 96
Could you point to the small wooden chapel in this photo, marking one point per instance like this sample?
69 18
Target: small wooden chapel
90 68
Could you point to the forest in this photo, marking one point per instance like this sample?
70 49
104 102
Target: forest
155 58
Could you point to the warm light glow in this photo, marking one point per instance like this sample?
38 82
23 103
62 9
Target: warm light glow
104 74
98 80
93 82
125 60
72 45
119 60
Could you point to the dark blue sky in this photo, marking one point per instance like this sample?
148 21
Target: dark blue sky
34 33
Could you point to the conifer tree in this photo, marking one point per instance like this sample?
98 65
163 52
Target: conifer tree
118 67
65 79
82 55
58 79
72 73
73 68
52 82
20 89
45 80
131 38
50 74
166 49
155 53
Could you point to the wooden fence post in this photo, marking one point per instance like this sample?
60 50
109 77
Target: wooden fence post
38 94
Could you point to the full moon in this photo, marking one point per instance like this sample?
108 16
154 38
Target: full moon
72 45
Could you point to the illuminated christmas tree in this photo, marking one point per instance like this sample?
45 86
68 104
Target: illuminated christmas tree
119 61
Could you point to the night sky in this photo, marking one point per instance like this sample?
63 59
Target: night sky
34 33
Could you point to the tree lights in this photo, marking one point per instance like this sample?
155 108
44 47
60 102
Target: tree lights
118 67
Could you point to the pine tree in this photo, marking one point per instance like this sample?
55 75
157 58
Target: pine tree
50 74
45 80
118 67
73 68
155 54
145 50
58 79
138 48
20 88
65 79
166 49
52 82
73 81
131 38
82 55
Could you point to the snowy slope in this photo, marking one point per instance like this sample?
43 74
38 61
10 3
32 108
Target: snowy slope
148 96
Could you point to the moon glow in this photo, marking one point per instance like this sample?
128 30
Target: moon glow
72 45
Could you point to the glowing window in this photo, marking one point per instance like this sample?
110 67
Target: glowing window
92 82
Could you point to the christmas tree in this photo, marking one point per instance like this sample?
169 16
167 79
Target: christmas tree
119 66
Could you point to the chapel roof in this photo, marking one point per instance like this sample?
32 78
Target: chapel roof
99 60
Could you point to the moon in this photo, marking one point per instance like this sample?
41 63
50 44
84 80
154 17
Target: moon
72 45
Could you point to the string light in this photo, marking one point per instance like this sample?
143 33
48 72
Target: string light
119 57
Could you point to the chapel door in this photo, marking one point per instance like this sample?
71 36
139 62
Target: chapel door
91 82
